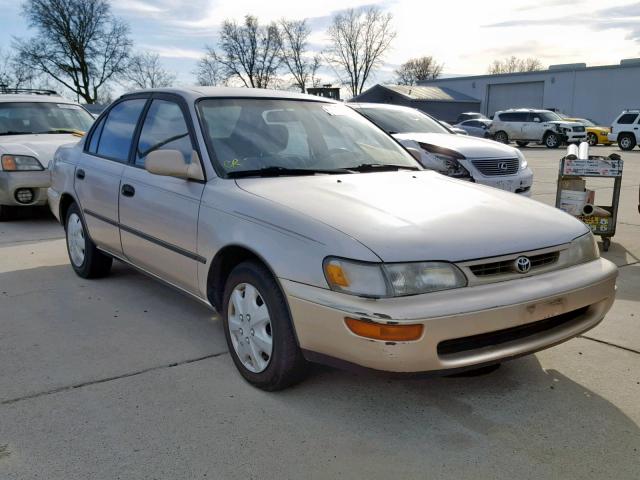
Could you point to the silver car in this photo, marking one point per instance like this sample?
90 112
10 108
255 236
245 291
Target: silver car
476 127
319 238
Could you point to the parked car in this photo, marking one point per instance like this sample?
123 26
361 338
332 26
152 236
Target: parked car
319 238
451 128
625 129
470 116
540 126
478 160
596 134
33 124
476 128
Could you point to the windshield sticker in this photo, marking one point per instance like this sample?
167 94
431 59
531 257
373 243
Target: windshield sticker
69 106
235 163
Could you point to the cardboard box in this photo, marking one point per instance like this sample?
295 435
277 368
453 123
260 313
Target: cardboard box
576 184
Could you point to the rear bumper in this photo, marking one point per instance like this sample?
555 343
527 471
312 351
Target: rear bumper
612 137
38 182
461 328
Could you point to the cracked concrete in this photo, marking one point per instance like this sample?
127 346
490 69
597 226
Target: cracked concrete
125 378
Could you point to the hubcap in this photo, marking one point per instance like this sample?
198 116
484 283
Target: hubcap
552 140
75 240
625 142
250 327
593 140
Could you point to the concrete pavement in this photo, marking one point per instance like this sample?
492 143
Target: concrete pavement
124 378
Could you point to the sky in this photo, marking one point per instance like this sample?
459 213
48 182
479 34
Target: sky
464 35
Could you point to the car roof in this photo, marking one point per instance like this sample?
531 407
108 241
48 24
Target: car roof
11 97
196 92
524 110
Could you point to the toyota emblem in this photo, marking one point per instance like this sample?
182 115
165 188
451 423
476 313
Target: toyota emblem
522 264
504 166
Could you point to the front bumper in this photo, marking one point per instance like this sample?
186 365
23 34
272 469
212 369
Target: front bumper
583 294
36 181
520 183
575 136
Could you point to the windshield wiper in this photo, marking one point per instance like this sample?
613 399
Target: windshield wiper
61 131
283 171
11 132
381 167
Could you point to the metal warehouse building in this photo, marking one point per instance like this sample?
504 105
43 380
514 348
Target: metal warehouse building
440 101
599 93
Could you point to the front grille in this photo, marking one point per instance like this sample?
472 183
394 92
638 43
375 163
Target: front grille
508 266
483 340
492 167
578 129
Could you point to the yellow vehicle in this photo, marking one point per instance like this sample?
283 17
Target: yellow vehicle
596 134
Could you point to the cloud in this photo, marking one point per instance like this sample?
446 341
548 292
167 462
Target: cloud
172 52
136 6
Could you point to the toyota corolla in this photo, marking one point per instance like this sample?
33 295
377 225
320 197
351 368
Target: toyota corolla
318 237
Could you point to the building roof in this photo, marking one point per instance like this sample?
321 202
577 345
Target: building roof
425 93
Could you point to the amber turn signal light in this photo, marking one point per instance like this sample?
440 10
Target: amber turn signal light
381 331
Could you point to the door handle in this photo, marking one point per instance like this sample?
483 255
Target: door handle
80 174
127 190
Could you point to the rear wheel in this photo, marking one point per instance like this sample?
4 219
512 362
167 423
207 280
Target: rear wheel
87 261
626 141
522 144
552 140
501 137
259 330
592 138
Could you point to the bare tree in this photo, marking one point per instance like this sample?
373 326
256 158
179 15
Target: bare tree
13 73
209 70
294 52
359 41
417 69
78 42
514 64
146 71
249 52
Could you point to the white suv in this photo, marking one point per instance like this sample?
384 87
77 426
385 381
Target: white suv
541 126
625 129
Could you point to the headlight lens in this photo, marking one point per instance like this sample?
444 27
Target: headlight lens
393 279
20 163
583 249
523 161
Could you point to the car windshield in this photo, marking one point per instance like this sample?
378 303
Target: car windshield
21 118
272 136
397 120
586 122
549 116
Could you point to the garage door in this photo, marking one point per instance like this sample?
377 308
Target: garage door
515 95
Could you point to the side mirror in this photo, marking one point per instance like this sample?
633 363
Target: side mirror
170 163
415 153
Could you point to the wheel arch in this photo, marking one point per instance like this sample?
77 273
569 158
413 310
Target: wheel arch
66 200
224 261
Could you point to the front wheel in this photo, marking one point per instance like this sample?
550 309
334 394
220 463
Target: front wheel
626 141
87 261
552 140
259 330
592 138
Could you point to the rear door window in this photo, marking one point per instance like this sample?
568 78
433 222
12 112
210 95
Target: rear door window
117 133
627 118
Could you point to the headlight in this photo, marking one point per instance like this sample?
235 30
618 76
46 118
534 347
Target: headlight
391 279
583 249
523 161
20 163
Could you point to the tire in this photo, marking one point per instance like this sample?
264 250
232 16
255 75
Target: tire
87 261
254 290
552 140
501 137
592 139
626 141
522 144
5 213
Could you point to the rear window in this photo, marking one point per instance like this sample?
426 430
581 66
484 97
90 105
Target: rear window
627 118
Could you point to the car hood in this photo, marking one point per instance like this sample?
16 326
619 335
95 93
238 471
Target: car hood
42 147
470 147
412 216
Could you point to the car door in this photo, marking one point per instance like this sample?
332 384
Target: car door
159 214
533 128
474 128
100 168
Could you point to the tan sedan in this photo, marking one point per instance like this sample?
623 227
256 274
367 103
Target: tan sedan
319 238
